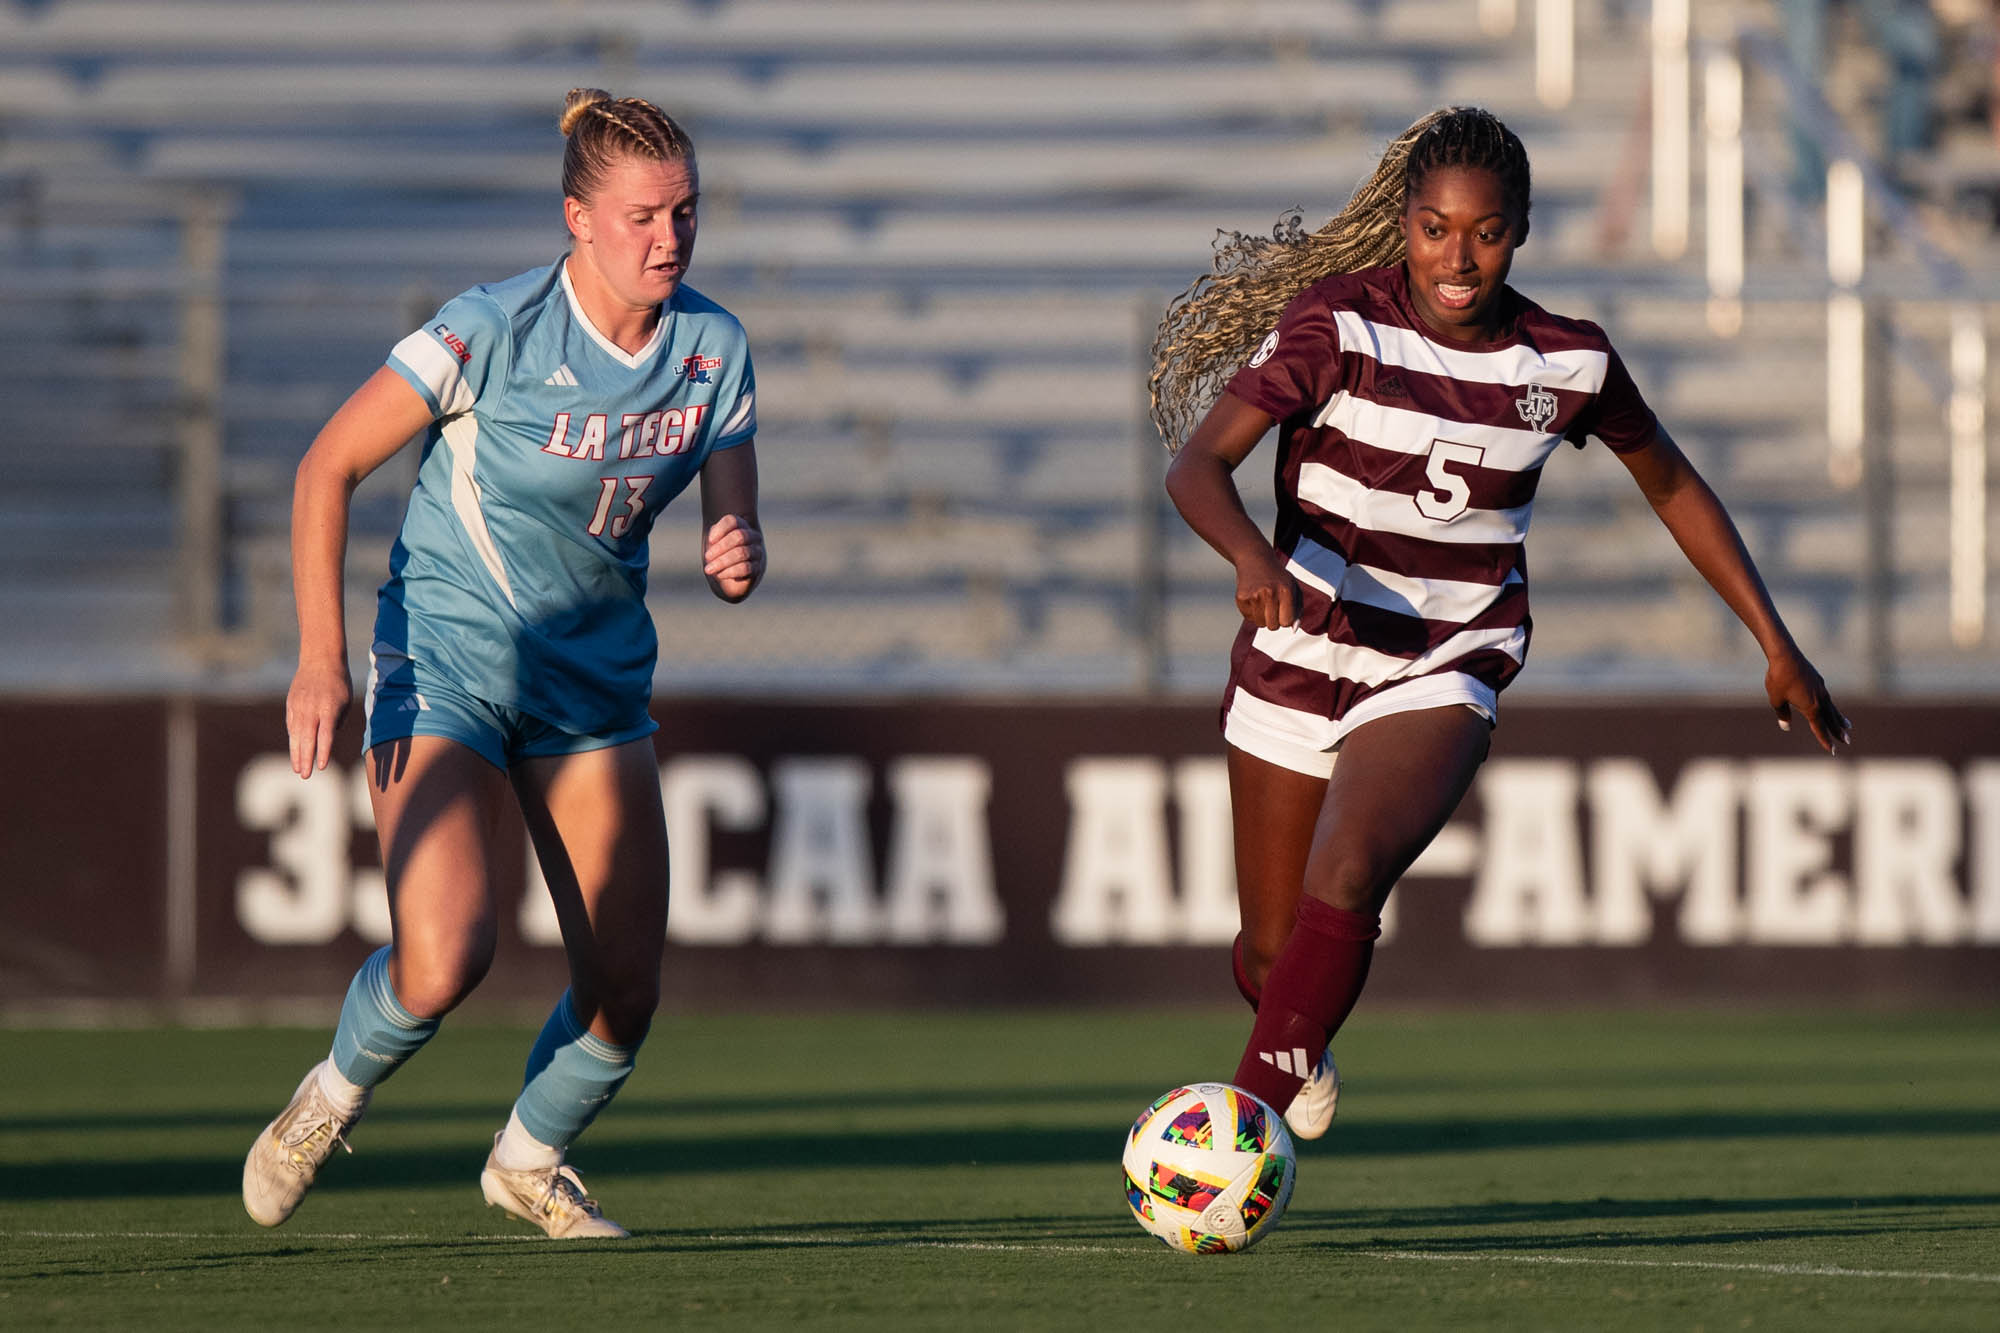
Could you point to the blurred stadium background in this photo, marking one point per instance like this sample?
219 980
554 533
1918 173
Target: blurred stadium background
950 230
960 750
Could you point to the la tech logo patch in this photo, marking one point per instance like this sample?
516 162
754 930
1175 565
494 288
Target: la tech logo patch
698 368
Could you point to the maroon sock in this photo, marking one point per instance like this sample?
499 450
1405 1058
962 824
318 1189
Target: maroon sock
1244 986
1307 996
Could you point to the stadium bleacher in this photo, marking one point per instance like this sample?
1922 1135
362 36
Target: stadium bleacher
948 229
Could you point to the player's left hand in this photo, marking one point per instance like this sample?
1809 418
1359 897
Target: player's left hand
733 557
1793 685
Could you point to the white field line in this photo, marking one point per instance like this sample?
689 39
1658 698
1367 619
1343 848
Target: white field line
1404 1256
528 1239
1712 1265
245 1235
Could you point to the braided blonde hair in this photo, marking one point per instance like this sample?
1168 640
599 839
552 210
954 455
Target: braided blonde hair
1212 327
601 128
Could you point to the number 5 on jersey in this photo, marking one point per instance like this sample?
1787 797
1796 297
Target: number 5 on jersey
635 504
1453 493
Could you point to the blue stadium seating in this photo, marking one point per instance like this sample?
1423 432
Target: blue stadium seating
948 228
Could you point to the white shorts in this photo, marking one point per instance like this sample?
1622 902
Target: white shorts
1307 744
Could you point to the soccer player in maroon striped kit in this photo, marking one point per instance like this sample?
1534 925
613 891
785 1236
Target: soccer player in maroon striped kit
1417 396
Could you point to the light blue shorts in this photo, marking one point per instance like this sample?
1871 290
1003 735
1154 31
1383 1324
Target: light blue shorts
407 698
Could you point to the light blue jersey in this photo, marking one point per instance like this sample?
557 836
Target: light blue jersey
520 572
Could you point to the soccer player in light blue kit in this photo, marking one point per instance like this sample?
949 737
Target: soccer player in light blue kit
561 410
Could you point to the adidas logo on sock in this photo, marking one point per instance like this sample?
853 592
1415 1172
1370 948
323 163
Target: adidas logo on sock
1294 1061
563 376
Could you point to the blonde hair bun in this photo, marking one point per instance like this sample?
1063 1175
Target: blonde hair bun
579 101
600 129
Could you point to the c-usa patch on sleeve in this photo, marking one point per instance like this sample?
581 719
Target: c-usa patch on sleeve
1264 349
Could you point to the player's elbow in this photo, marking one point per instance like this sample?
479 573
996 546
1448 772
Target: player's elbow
321 474
1180 480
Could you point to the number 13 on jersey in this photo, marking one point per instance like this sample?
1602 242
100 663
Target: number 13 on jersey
603 521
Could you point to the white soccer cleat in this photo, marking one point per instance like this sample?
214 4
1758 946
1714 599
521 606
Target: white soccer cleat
1311 1112
552 1198
287 1156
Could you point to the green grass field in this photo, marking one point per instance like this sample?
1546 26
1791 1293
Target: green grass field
1682 1171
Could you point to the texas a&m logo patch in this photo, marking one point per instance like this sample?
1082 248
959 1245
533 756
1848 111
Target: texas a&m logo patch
1537 407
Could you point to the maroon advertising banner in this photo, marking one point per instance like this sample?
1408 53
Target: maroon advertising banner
950 853
83 843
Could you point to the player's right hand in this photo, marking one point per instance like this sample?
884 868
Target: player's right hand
314 707
1266 593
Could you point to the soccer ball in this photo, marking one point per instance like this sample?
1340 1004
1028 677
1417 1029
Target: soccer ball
1209 1168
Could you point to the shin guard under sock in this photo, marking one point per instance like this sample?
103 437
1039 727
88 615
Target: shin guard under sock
1306 998
376 1033
572 1073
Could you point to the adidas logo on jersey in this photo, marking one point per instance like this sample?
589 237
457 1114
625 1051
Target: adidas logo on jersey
1295 1061
564 376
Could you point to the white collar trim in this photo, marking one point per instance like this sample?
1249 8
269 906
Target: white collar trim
629 360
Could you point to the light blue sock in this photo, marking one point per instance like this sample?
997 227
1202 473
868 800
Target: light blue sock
376 1033
572 1073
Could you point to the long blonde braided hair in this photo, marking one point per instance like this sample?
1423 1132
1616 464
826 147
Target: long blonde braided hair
1212 327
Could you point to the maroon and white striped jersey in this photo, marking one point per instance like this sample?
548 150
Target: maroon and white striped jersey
1406 470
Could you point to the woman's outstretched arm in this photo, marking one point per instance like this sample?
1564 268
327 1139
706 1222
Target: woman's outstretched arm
1698 522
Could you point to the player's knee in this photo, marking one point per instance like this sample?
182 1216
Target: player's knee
435 984
1352 884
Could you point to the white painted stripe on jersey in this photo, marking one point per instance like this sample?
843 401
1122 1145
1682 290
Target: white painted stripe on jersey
742 417
462 434
1368 666
1408 432
1315 564
629 360
1452 600
1393 512
439 369
1578 369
